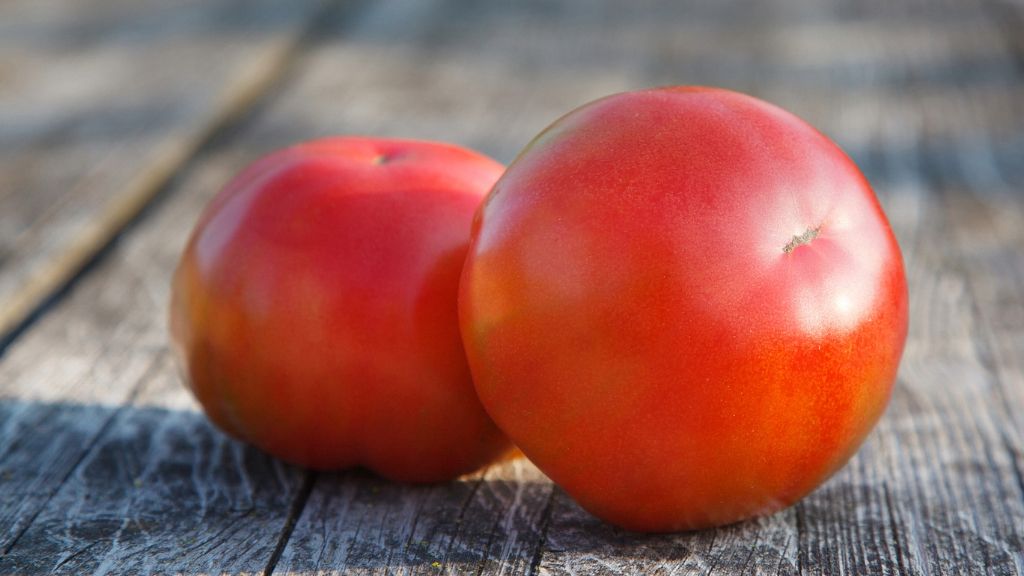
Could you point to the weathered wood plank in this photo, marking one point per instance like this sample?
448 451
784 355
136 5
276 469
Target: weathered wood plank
106 465
936 489
159 491
989 254
100 353
881 514
355 523
943 484
100 103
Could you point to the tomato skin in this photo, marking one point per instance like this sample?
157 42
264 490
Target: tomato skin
685 306
314 308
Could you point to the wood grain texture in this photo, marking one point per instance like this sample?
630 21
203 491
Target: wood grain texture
935 489
487 523
100 103
159 491
105 465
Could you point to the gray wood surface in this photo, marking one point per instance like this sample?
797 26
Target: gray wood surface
106 466
100 103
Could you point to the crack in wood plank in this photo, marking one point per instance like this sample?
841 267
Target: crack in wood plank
104 427
257 86
294 513
545 524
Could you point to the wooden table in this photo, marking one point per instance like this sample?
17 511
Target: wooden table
120 118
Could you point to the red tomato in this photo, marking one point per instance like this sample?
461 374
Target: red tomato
314 307
685 305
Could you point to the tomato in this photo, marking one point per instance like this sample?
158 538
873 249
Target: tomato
314 308
685 305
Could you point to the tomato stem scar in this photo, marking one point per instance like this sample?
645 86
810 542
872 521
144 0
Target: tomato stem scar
805 238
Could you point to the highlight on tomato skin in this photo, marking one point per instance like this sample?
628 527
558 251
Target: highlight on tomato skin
314 308
685 306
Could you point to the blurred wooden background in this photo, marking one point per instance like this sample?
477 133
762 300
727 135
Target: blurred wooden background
119 119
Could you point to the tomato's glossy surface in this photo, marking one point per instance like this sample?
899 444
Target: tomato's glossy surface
314 307
685 306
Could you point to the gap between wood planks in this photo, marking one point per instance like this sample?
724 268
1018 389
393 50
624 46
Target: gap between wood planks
251 93
132 395
238 102
294 512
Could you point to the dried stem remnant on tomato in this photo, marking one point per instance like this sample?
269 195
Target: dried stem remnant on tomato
805 238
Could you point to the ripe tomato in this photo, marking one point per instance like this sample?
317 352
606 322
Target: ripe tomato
685 305
314 308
